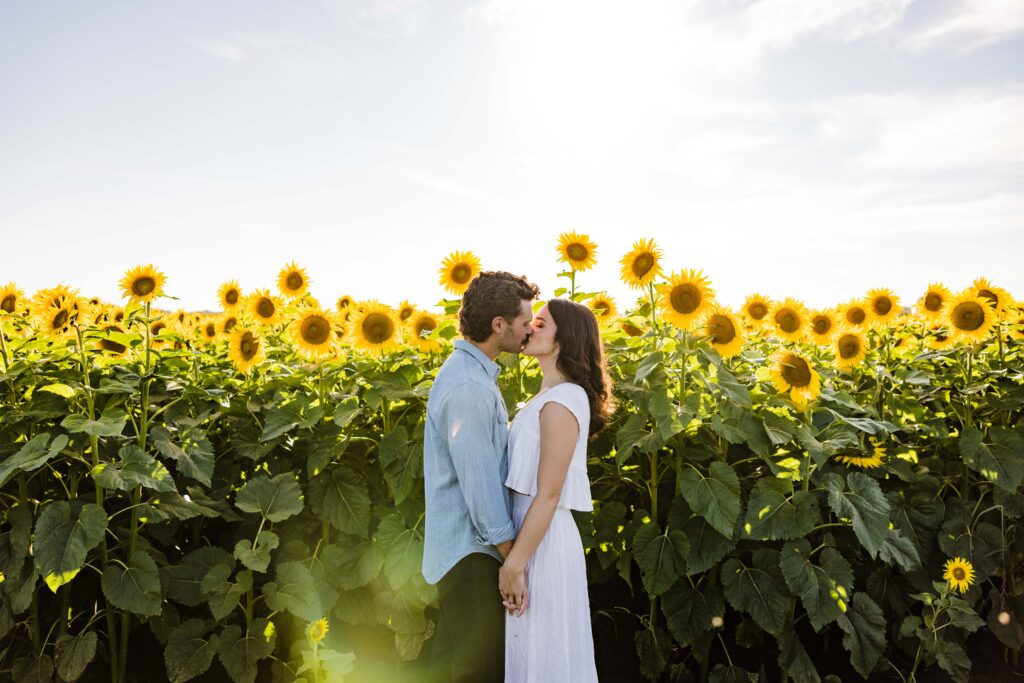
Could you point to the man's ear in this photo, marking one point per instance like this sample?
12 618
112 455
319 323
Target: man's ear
498 325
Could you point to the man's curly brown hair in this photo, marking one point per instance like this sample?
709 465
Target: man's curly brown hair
492 293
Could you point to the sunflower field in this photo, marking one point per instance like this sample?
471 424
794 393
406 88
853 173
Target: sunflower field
782 494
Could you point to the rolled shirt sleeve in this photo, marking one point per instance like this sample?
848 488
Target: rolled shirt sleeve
469 419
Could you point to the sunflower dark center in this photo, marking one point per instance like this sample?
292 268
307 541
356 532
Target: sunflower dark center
294 281
61 318
991 296
316 329
968 316
940 335
9 303
796 371
143 285
577 252
883 305
685 298
856 315
722 330
460 273
959 573
211 330
757 310
787 320
849 346
601 307
632 330
265 308
157 327
248 346
344 302
110 344
405 313
821 324
377 328
642 264
231 297
933 302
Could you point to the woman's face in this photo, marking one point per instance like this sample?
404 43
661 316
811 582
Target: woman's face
542 338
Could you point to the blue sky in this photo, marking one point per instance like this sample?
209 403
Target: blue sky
797 148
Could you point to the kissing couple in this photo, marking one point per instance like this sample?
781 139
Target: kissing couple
500 540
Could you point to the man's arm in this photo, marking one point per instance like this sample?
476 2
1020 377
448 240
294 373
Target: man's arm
469 419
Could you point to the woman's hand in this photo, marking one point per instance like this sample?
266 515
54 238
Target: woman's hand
512 586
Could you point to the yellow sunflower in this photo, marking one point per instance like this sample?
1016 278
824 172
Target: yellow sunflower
603 307
959 572
458 270
230 296
57 320
932 304
938 337
793 372
722 329
851 347
245 349
344 302
822 326
854 314
292 281
142 283
108 346
52 296
883 307
1016 321
226 322
313 332
970 317
686 297
790 319
317 630
375 328
756 309
208 329
641 265
577 250
11 297
405 311
265 307
866 461
422 323
631 329
157 329
996 297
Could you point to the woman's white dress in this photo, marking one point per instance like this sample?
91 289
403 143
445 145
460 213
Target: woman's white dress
552 640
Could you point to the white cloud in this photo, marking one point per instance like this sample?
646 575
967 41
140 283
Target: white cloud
968 25
404 17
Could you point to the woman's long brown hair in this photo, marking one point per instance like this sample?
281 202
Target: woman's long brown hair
581 357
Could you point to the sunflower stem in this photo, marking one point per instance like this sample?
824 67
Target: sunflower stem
654 319
3 347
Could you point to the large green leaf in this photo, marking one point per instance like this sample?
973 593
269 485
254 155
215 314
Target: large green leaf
897 549
134 467
689 611
74 654
339 497
825 588
998 456
190 650
664 410
281 420
401 460
293 591
257 557
221 592
758 589
863 627
184 580
240 653
794 660
707 546
276 499
660 555
110 423
634 435
715 497
737 392
14 542
190 449
861 500
353 566
65 533
33 455
775 512
652 649
402 548
135 588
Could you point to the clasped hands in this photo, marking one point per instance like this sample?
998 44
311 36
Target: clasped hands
512 586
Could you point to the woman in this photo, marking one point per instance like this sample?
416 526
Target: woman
543 581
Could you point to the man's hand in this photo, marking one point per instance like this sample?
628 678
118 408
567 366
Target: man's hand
504 548
512 586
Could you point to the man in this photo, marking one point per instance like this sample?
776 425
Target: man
469 530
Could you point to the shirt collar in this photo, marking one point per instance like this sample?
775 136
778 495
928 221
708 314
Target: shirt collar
490 367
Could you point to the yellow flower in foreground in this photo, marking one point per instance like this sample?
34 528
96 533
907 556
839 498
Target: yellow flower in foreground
10 298
866 461
851 347
996 297
790 319
374 328
883 307
230 295
792 372
458 270
641 265
970 317
603 307
292 281
245 349
723 331
932 304
960 573
57 319
405 311
854 313
344 301
822 326
686 297
265 307
209 329
142 283
317 630
577 250
755 310
226 322
422 323
313 332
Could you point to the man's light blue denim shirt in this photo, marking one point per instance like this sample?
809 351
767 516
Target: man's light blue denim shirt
465 463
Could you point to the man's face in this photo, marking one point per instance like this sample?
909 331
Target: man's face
516 333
